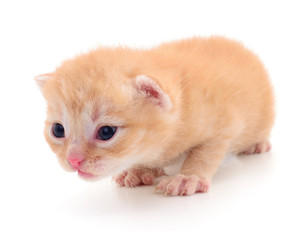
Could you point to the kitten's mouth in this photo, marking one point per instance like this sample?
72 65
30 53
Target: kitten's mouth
85 175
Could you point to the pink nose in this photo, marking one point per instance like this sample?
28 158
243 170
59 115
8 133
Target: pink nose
75 157
75 162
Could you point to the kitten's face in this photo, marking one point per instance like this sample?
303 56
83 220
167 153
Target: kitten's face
99 125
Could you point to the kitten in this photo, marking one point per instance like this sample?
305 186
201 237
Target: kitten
137 111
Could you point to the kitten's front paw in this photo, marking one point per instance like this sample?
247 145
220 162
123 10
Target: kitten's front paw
183 185
138 176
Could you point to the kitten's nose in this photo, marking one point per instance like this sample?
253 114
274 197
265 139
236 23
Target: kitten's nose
75 160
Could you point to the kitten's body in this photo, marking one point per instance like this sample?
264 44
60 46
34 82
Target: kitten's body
200 97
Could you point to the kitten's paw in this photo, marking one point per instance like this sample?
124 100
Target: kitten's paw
258 148
183 185
138 176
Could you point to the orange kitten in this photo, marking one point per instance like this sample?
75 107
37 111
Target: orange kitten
138 111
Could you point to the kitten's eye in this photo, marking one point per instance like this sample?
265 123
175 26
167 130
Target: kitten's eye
58 130
106 132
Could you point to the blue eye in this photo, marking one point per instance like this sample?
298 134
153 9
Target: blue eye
58 130
106 132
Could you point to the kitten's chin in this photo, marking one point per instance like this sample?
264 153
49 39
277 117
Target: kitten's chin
88 176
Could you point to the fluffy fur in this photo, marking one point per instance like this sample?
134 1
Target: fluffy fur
200 97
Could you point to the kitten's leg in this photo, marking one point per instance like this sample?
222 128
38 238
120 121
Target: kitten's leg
138 176
197 171
258 148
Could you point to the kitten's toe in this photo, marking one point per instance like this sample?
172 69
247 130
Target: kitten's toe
258 148
132 179
147 178
120 178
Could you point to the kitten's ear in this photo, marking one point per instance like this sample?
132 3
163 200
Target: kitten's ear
42 79
152 91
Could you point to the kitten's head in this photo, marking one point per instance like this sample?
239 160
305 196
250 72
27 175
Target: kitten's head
101 120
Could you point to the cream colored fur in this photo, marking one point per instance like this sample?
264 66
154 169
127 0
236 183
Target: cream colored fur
211 96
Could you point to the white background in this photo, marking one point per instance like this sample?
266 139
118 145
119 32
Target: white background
253 197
